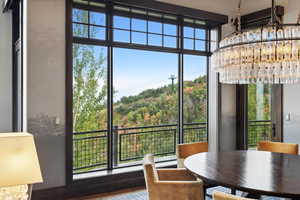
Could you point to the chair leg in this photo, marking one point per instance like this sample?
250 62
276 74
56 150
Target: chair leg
206 194
233 191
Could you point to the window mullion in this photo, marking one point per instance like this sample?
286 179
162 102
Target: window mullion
180 81
109 33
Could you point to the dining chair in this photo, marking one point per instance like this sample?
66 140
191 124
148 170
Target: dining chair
170 184
224 196
278 147
185 150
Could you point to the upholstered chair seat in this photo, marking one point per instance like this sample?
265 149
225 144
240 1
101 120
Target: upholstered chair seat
170 184
278 147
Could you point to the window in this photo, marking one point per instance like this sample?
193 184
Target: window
213 39
139 85
89 24
145 104
144 32
194 38
89 107
195 98
259 114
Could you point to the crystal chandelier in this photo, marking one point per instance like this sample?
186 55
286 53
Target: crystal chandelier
268 54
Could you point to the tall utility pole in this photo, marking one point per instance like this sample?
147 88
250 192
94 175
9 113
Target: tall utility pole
172 78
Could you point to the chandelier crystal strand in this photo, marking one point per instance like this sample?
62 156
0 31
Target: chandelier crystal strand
260 55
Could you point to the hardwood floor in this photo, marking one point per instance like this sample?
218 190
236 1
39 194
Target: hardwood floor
141 194
138 193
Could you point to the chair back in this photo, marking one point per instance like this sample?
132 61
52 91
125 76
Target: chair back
278 147
150 172
186 150
224 196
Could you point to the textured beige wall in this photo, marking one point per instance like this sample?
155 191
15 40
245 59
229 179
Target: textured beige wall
46 86
5 72
291 95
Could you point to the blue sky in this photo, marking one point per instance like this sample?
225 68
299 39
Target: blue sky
137 70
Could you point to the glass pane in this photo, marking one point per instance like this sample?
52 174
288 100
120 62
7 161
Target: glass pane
139 38
153 14
200 33
188 20
80 30
200 45
188 32
97 33
80 16
155 40
172 17
121 36
170 42
89 108
137 11
213 46
92 3
145 104
154 27
81 1
170 29
214 35
139 25
97 18
200 22
259 113
121 8
195 98
188 44
121 22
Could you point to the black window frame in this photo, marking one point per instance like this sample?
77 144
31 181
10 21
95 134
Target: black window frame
110 44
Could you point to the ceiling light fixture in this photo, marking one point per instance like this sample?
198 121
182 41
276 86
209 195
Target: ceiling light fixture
267 54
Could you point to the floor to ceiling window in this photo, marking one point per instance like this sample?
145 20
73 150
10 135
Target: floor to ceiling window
195 98
145 103
139 85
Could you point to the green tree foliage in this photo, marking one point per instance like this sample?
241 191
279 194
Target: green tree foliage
89 82
253 104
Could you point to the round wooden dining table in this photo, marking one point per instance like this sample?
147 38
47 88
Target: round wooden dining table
255 172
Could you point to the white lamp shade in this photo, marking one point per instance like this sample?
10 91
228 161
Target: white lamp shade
19 162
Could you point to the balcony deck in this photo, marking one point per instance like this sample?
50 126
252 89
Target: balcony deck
90 149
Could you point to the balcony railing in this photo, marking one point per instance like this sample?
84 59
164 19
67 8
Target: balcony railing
130 145
258 131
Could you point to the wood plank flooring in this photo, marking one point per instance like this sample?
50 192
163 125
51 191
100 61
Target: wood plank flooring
141 194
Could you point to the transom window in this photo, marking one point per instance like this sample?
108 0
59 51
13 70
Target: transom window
144 32
89 24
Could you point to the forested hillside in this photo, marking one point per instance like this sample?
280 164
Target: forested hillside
160 106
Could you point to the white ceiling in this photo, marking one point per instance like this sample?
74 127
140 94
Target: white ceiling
226 7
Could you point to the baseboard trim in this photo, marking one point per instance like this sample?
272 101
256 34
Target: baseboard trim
86 189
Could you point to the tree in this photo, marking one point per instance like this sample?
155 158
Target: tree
89 82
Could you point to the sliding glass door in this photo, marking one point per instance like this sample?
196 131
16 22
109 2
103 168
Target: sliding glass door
260 126
259 114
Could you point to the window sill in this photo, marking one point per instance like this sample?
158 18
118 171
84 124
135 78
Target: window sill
121 171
